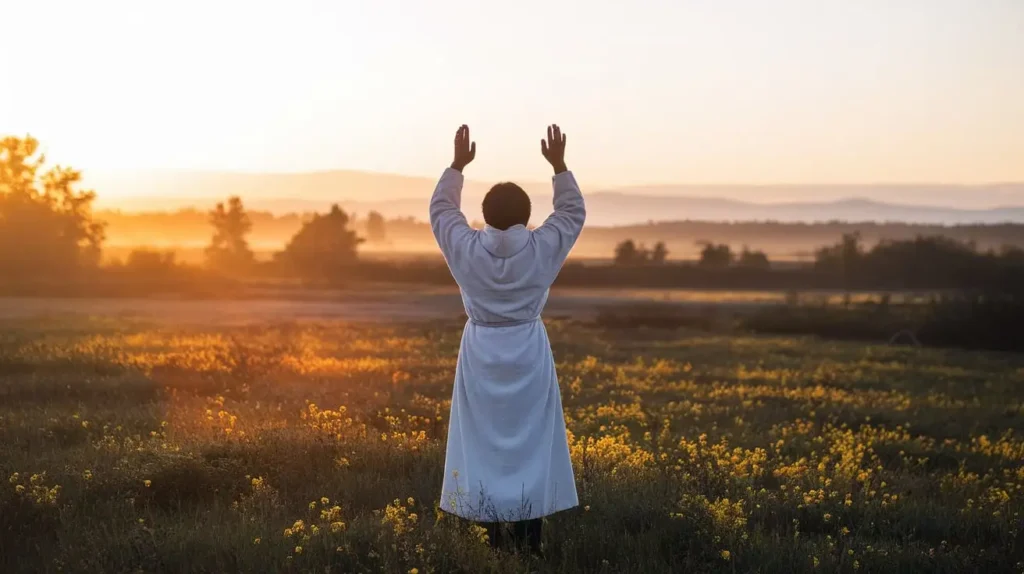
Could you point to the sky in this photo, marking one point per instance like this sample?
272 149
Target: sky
647 91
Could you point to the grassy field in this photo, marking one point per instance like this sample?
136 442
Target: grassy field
318 447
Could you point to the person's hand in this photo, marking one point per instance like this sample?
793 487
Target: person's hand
464 150
553 148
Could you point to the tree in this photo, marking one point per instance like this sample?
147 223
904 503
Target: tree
228 249
322 247
376 228
1011 254
715 256
626 253
753 259
643 255
660 253
151 263
629 253
840 256
842 259
46 225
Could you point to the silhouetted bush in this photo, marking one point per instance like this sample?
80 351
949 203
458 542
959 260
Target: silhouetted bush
753 259
715 256
968 321
990 321
323 250
832 322
376 228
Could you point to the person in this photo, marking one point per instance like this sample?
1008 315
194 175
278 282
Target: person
507 455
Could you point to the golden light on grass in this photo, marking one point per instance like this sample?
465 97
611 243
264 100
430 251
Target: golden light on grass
310 454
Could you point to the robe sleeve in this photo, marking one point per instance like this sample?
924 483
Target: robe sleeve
446 218
561 229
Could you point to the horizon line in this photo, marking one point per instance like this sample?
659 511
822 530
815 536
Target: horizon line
190 203
598 186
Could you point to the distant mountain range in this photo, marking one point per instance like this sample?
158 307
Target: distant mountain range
395 196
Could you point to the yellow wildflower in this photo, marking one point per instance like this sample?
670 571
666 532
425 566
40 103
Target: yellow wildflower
726 555
480 532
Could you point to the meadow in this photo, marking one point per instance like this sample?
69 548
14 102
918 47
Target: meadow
285 446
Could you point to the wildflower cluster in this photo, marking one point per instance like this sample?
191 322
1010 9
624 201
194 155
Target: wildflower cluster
397 516
33 487
334 424
325 522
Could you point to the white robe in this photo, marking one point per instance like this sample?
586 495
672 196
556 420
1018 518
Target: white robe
508 455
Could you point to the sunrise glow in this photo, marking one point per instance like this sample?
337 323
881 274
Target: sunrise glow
789 92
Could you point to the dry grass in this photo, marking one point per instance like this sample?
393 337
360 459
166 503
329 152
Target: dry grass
319 447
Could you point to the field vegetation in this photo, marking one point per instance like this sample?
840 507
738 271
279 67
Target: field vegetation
319 447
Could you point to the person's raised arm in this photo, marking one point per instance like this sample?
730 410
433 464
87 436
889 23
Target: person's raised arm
561 229
446 218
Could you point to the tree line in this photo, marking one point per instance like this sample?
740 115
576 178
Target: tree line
48 229
323 250
928 262
712 255
780 241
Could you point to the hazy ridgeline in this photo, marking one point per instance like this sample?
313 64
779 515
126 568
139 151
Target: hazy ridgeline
319 447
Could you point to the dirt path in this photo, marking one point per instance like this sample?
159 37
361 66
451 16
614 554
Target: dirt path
392 307
224 311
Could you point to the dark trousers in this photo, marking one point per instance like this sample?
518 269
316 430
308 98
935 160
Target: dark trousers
523 533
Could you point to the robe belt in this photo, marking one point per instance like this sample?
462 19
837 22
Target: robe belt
503 323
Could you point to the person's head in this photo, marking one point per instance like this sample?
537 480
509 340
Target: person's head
506 205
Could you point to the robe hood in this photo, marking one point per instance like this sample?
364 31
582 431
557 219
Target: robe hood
505 243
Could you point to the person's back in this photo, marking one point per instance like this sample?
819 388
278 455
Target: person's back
508 457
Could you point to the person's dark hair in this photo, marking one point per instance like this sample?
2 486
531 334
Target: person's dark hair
506 205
